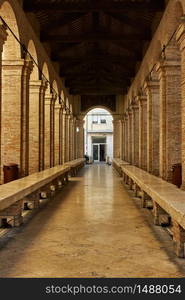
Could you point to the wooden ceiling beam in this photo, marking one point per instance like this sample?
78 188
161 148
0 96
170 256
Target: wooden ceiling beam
107 5
125 19
97 91
90 58
93 37
98 65
85 69
60 22
98 85
93 82
89 76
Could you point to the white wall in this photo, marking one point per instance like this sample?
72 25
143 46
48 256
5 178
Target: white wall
98 130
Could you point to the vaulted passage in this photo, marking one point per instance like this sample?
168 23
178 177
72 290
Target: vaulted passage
91 229
59 61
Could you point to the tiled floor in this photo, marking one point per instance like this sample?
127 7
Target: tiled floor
92 228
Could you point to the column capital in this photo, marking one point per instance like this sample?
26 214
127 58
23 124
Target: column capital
135 107
63 106
27 67
126 116
142 99
64 112
47 98
168 66
44 83
35 86
80 122
53 98
151 84
57 106
71 118
17 66
116 121
130 111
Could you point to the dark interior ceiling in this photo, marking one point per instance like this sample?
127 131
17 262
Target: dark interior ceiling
98 44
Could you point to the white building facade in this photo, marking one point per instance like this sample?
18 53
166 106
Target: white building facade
99 135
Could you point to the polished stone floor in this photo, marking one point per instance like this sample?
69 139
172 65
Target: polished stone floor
92 228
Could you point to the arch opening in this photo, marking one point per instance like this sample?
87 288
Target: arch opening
98 135
13 138
11 48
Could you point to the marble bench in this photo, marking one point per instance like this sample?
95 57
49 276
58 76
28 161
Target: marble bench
29 189
168 202
75 165
117 163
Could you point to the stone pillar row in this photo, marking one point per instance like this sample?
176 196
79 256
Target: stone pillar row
154 123
36 131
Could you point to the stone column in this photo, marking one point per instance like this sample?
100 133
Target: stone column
121 138
126 138
130 135
42 92
60 135
71 138
180 36
63 124
52 130
135 134
142 132
3 37
67 137
34 126
26 72
74 140
47 132
15 113
57 134
170 113
152 92
80 138
117 138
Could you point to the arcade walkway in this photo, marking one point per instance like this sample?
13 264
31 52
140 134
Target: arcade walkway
93 228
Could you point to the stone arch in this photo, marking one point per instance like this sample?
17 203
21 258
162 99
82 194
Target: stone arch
62 96
176 12
55 89
157 52
32 50
15 86
56 125
45 71
98 106
67 102
98 143
11 49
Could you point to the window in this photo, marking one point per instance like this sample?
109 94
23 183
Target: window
95 119
99 140
103 121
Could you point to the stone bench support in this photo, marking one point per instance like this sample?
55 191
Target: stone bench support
167 201
19 194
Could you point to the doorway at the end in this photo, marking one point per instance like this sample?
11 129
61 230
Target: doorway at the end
99 152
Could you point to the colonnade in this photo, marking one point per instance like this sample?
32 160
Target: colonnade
151 132
37 130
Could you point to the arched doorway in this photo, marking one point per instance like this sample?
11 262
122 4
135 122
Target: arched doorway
98 135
